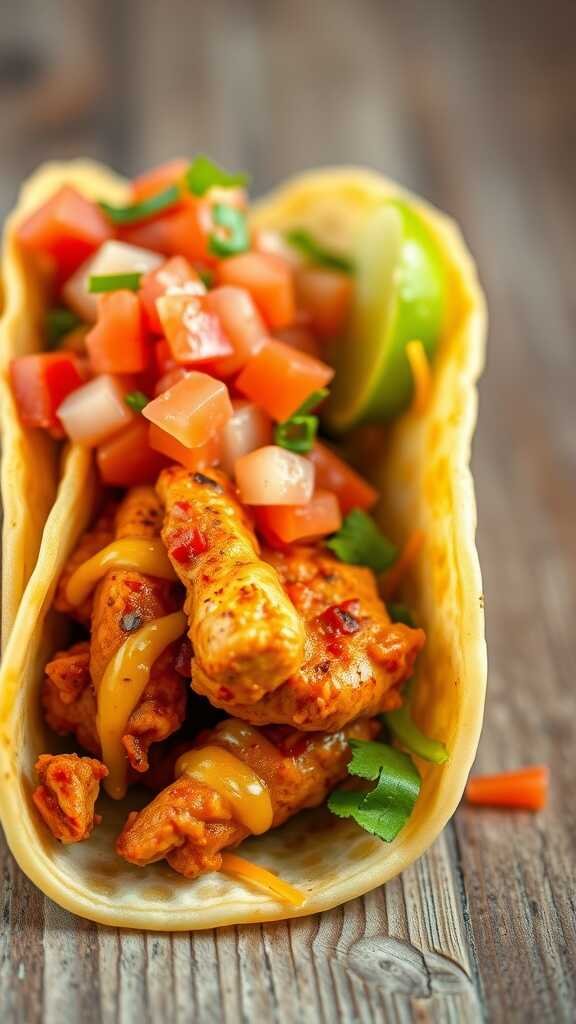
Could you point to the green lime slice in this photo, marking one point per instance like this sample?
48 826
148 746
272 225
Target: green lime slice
400 292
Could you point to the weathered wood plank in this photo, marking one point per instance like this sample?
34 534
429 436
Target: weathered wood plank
473 104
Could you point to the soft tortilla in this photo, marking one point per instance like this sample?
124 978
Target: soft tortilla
425 482
30 470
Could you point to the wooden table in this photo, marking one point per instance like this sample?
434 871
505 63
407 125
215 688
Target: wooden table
474 105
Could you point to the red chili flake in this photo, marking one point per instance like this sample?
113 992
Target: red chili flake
341 618
224 693
335 646
183 506
136 586
186 545
390 665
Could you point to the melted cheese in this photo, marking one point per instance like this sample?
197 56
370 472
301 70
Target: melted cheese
121 687
146 556
234 780
276 887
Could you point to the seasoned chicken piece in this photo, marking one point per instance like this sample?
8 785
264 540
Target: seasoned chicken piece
68 790
68 699
90 543
246 634
189 823
125 599
69 704
355 658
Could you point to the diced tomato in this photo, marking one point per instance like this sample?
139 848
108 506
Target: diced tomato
112 258
128 459
172 278
242 325
274 476
192 410
40 383
203 457
68 228
279 378
151 183
168 379
193 332
96 411
117 343
186 544
249 428
326 296
332 473
318 518
268 278
182 232
300 338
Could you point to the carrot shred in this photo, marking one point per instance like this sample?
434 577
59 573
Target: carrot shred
421 375
403 563
283 891
524 789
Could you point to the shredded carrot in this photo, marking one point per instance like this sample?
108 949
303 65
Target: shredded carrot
526 788
233 865
421 376
403 563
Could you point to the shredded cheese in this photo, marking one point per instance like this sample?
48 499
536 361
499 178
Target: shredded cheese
263 879
421 376
403 564
145 556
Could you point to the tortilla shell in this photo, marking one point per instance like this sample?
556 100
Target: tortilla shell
425 482
30 459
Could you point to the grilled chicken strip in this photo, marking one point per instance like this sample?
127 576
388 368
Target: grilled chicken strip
190 824
69 704
68 790
355 659
246 634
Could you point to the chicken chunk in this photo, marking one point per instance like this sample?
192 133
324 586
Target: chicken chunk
246 633
68 789
355 658
68 698
189 823
125 599
69 704
90 543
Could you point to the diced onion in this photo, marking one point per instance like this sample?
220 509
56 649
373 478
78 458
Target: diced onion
274 476
112 258
95 411
249 428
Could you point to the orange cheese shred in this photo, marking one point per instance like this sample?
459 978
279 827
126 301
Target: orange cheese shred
263 879
403 563
421 375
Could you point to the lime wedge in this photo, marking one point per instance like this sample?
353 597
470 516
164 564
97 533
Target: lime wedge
400 291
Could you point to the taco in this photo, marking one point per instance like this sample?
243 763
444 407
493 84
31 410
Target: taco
245 682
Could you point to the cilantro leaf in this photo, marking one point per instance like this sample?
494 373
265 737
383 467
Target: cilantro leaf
59 321
298 433
360 542
302 240
203 174
136 400
141 211
344 802
385 809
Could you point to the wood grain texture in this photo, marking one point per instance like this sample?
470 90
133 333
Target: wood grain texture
474 105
